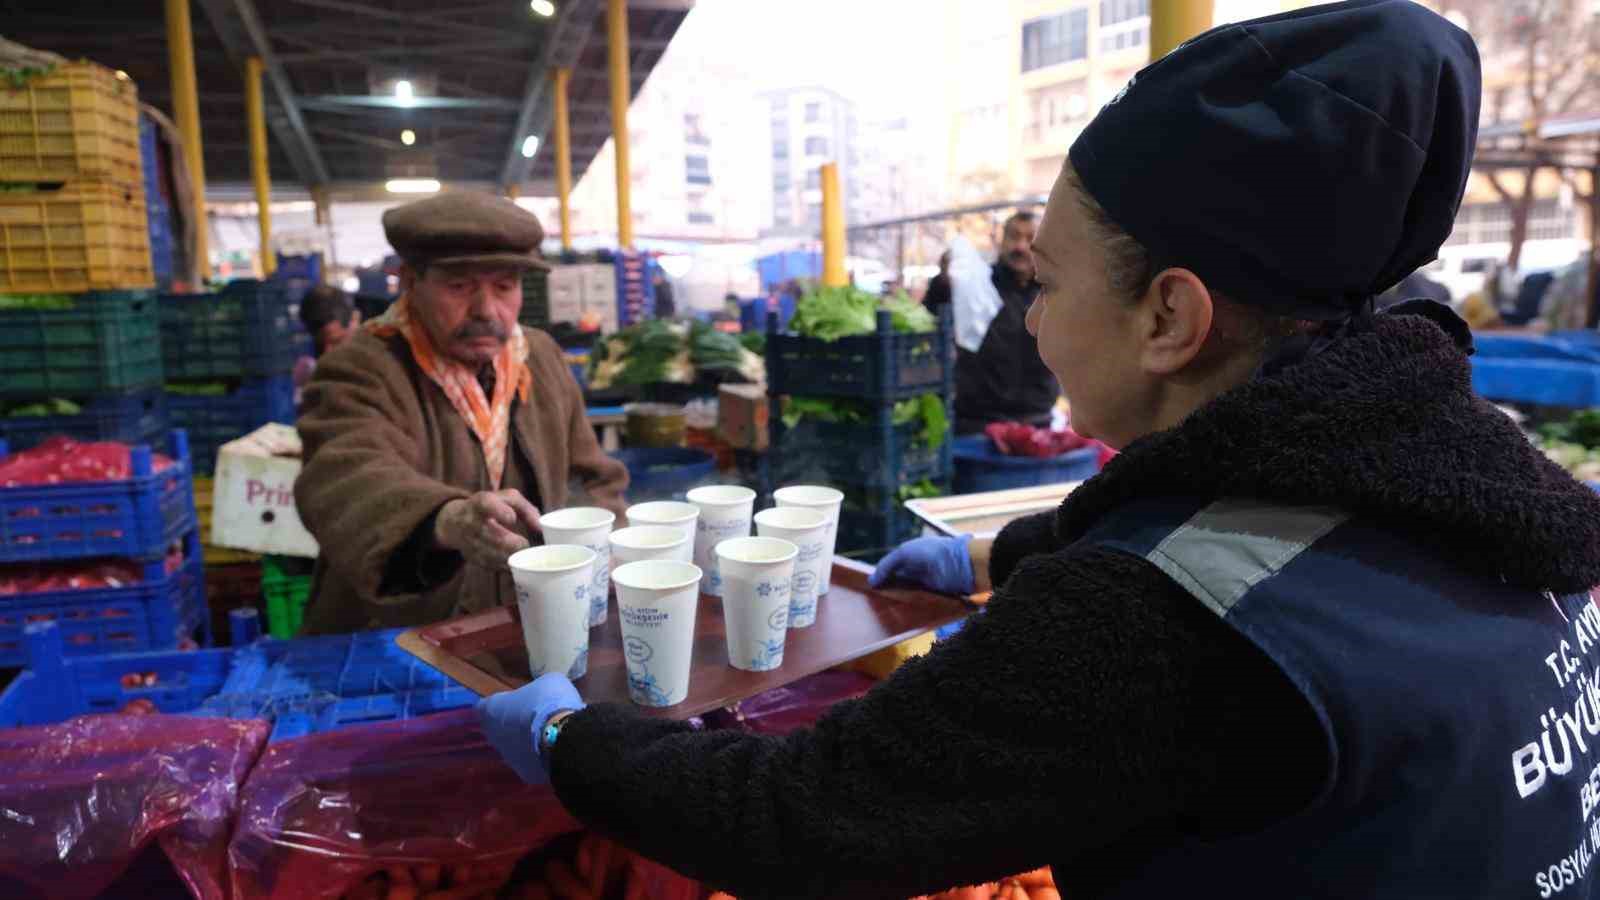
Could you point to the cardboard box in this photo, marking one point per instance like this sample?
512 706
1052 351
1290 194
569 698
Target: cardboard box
253 507
742 416
566 294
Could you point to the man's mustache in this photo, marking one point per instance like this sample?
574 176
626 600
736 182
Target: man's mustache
481 328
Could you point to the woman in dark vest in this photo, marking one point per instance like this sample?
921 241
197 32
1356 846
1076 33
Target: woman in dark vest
1321 630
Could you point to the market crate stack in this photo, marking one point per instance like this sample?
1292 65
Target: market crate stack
228 358
885 450
103 541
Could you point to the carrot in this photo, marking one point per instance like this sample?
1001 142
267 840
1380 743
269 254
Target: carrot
719 895
1045 893
401 892
463 892
366 890
400 875
564 882
1018 892
978 892
601 861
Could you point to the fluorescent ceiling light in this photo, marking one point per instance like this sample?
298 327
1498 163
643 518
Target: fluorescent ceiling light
543 8
530 145
412 185
408 137
404 93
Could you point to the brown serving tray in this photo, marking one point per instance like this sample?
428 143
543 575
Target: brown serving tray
485 651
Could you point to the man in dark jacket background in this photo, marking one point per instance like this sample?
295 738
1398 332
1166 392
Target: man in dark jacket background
1005 380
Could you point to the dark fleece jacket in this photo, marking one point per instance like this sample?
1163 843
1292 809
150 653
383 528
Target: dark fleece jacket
1097 713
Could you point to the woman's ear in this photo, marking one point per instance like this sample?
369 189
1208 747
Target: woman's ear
1178 312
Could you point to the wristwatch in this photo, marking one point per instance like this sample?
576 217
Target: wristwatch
551 731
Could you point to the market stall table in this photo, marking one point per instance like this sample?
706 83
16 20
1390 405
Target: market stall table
486 653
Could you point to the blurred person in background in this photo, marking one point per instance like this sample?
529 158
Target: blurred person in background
329 316
937 296
1003 379
666 303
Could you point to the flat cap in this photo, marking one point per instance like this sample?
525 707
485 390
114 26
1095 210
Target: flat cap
465 227
1301 162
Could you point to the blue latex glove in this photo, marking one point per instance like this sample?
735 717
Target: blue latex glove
939 564
514 719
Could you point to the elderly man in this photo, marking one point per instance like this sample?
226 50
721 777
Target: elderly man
435 436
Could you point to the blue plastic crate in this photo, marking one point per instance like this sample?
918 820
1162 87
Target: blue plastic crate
137 418
308 267
871 454
305 686
882 366
666 473
136 517
980 467
214 421
245 330
155 614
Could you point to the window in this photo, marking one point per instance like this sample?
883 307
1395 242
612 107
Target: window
1123 38
814 214
1490 223
780 152
816 146
1056 39
813 112
1115 12
780 180
694 132
814 180
697 170
701 218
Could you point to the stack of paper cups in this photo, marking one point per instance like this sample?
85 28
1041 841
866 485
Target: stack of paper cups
553 584
585 526
825 500
756 576
807 529
657 601
671 514
725 512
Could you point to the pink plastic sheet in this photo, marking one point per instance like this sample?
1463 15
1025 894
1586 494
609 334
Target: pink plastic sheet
798 705
321 813
80 801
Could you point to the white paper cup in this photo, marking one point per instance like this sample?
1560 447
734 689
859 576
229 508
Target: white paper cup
585 526
756 576
807 529
641 543
671 513
657 601
825 500
725 512
553 584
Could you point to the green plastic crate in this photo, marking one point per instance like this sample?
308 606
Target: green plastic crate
285 591
106 341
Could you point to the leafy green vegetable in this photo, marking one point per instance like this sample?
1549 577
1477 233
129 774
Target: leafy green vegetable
920 491
925 408
36 301
754 341
910 316
16 79
54 406
197 388
716 350
830 313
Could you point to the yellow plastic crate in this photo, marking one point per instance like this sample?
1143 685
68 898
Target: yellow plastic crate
85 236
204 491
80 122
882 664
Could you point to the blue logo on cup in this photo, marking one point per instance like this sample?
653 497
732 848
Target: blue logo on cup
638 650
581 594
779 620
805 582
764 589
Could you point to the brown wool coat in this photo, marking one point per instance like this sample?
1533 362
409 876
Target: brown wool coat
384 450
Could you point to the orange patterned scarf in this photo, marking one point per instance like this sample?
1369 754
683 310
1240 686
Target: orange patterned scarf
489 419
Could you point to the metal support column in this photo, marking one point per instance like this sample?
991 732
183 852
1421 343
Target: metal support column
563 124
186 110
833 236
260 174
621 95
1174 21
